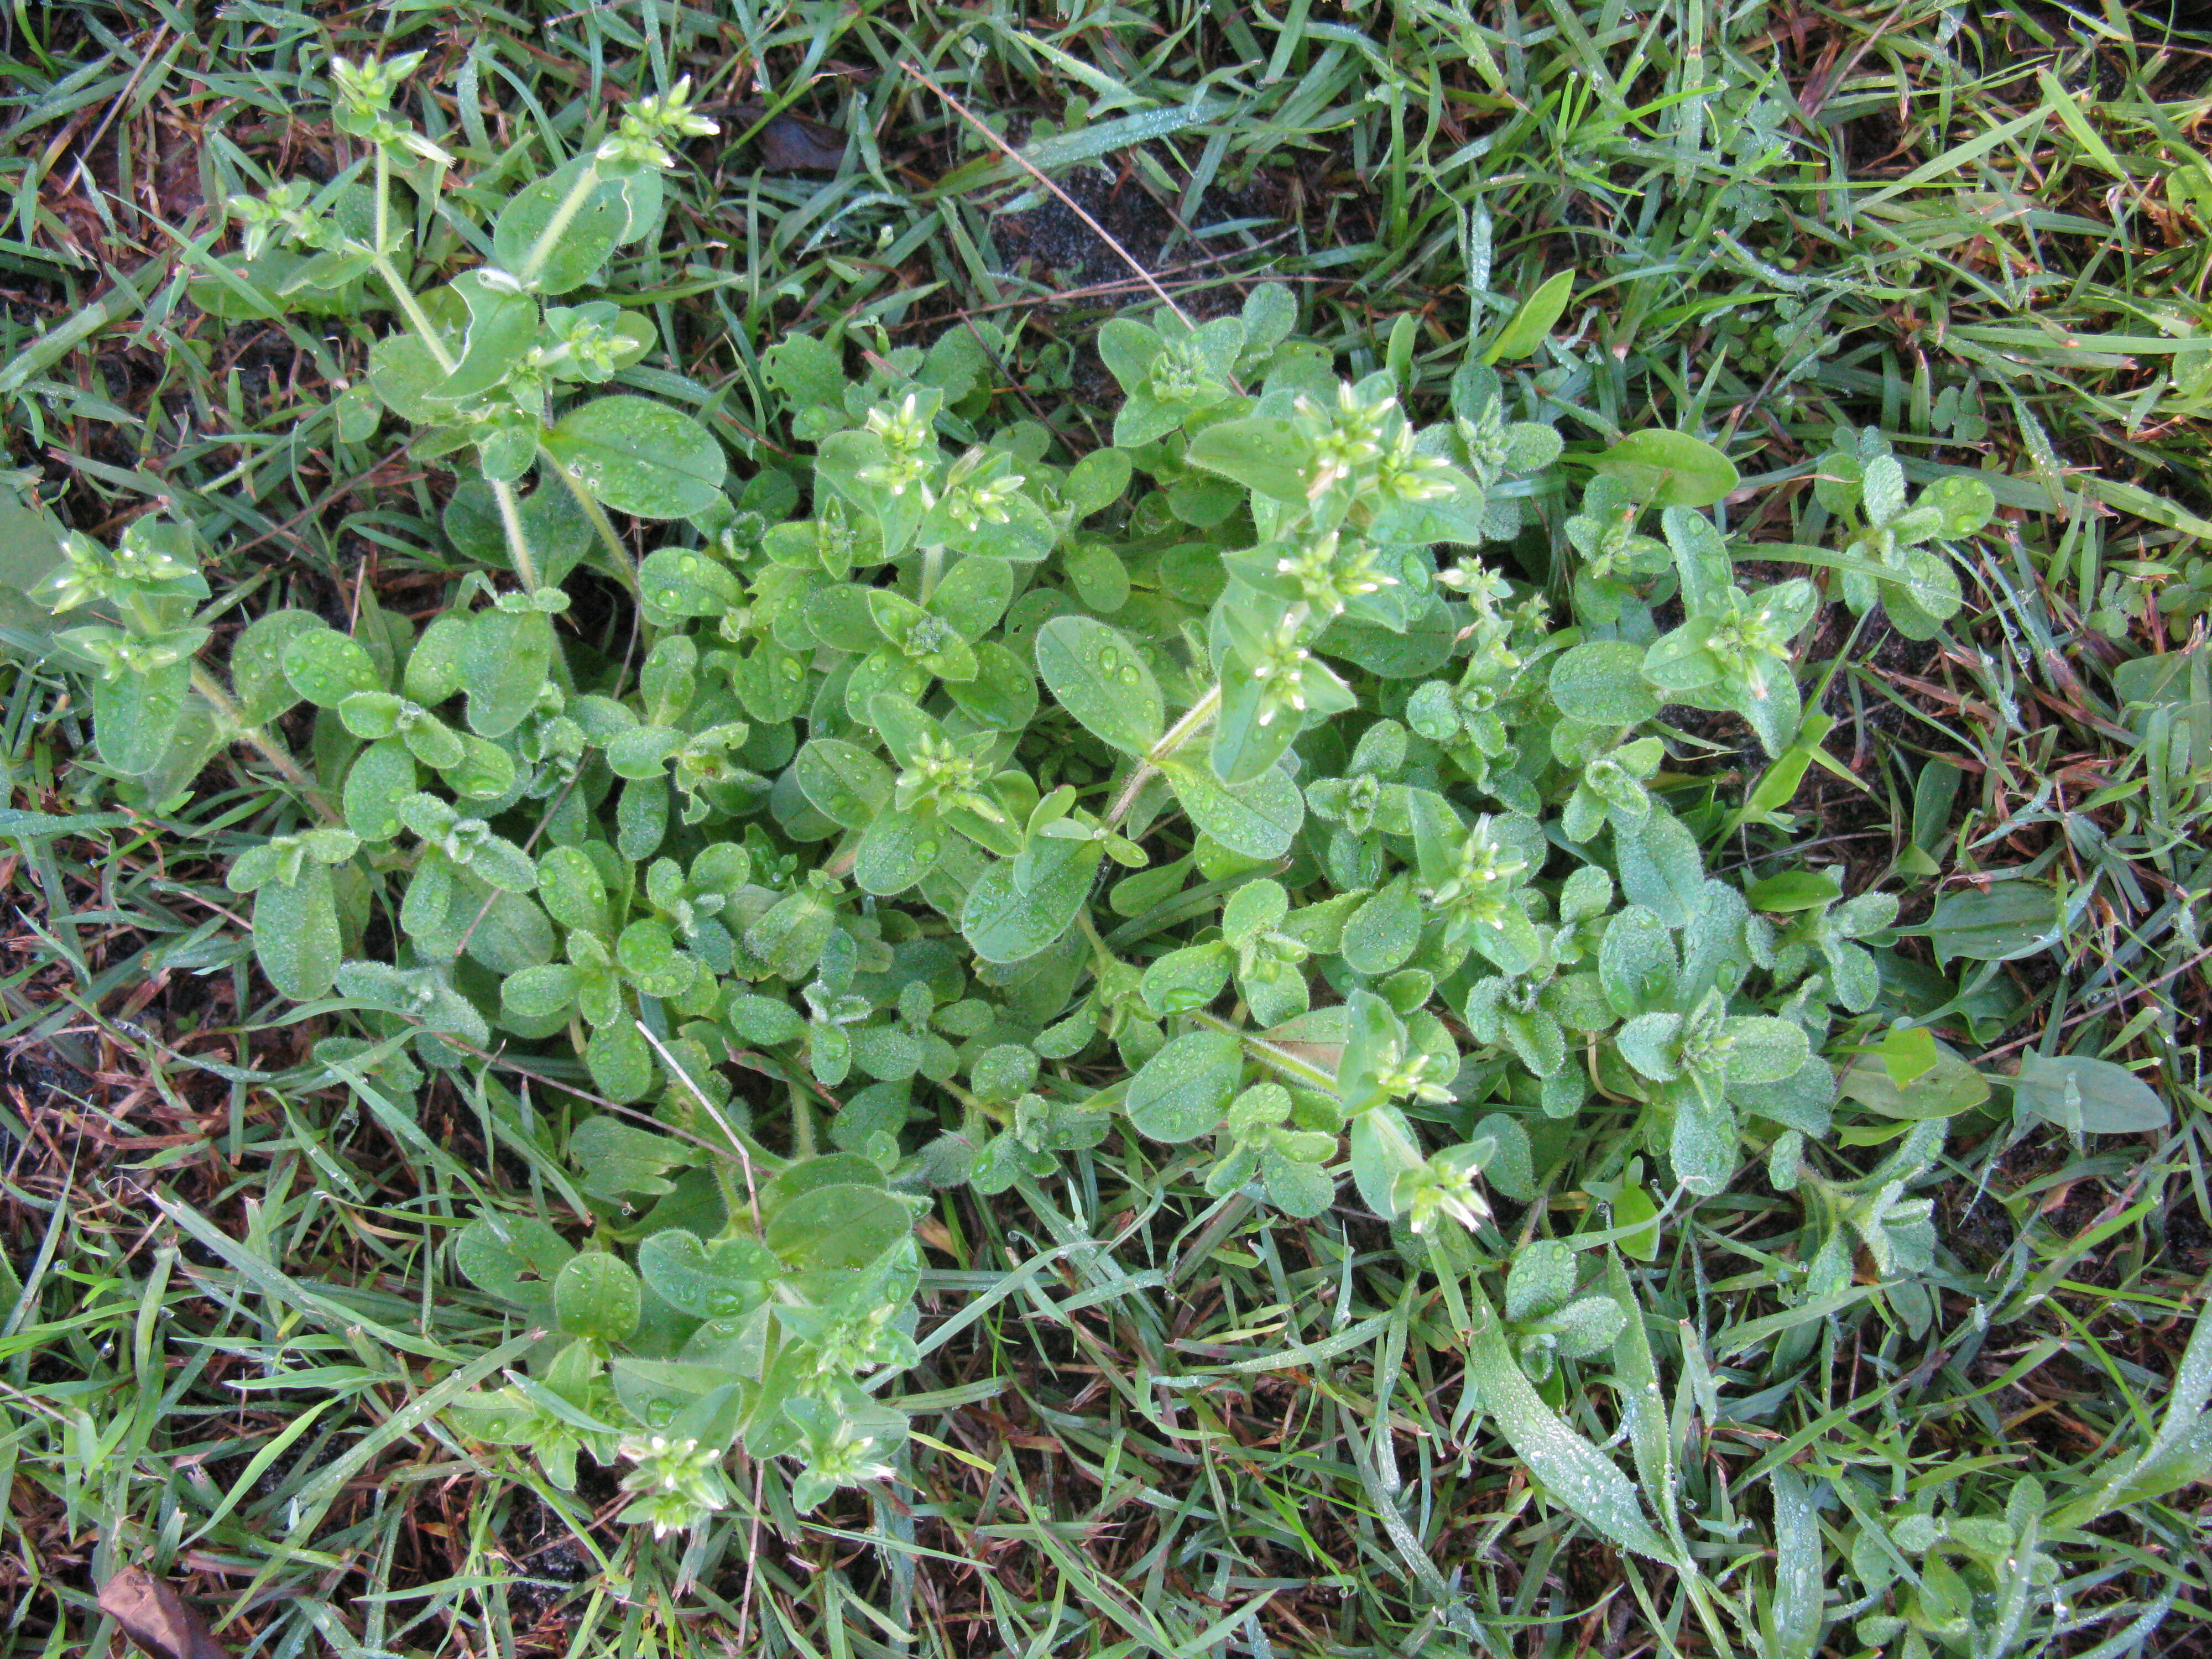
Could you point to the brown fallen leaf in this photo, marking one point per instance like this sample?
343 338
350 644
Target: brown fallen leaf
156 1617
791 143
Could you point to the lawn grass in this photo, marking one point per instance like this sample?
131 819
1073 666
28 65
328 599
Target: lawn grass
1150 1421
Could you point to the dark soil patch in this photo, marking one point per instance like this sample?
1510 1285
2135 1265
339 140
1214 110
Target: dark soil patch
1051 243
548 1560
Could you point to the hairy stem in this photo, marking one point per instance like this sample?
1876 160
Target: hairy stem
533 264
1198 716
1270 1054
518 539
417 318
600 521
257 738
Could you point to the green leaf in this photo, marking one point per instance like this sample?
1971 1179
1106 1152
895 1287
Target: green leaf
433 666
896 850
1670 469
2088 1096
720 1283
573 891
1764 1050
1637 963
514 1258
1023 537
646 950
326 668
837 1225
1185 979
1005 921
1003 696
540 993
573 257
1382 1148
295 934
2001 922
765 1022
1602 682
135 719
503 662
639 457
1531 325
808 372
972 596
1097 480
1298 1189
1944 1089
1648 1042
846 784
1541 1279
1244 746
597 1296
257 665
1964 504
1576 1474
622 1068
684 582
18 824
1383 933
620 1160
1127 347
404 374
419 994
502 327
1791 1618
1100 677
1184 1091
1257 820
1703 1145
1661 867
1793 891
1268 454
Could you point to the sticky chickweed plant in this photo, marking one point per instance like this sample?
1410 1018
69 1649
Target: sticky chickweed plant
1304 790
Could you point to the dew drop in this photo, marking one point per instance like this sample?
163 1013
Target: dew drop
660 1413
725 1304
927 848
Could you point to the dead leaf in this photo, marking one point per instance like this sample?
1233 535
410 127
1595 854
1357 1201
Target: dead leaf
791 143
156 1617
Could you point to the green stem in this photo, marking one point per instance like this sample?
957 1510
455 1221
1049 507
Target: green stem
383 201
533 264
417 318
1195 720
600 521
518 540
228 715
1268 1055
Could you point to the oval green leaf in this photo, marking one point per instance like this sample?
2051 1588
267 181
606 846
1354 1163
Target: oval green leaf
1100 679
1531 325
639 457
1670 469
1185 1089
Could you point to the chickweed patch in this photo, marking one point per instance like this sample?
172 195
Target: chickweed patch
762 899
